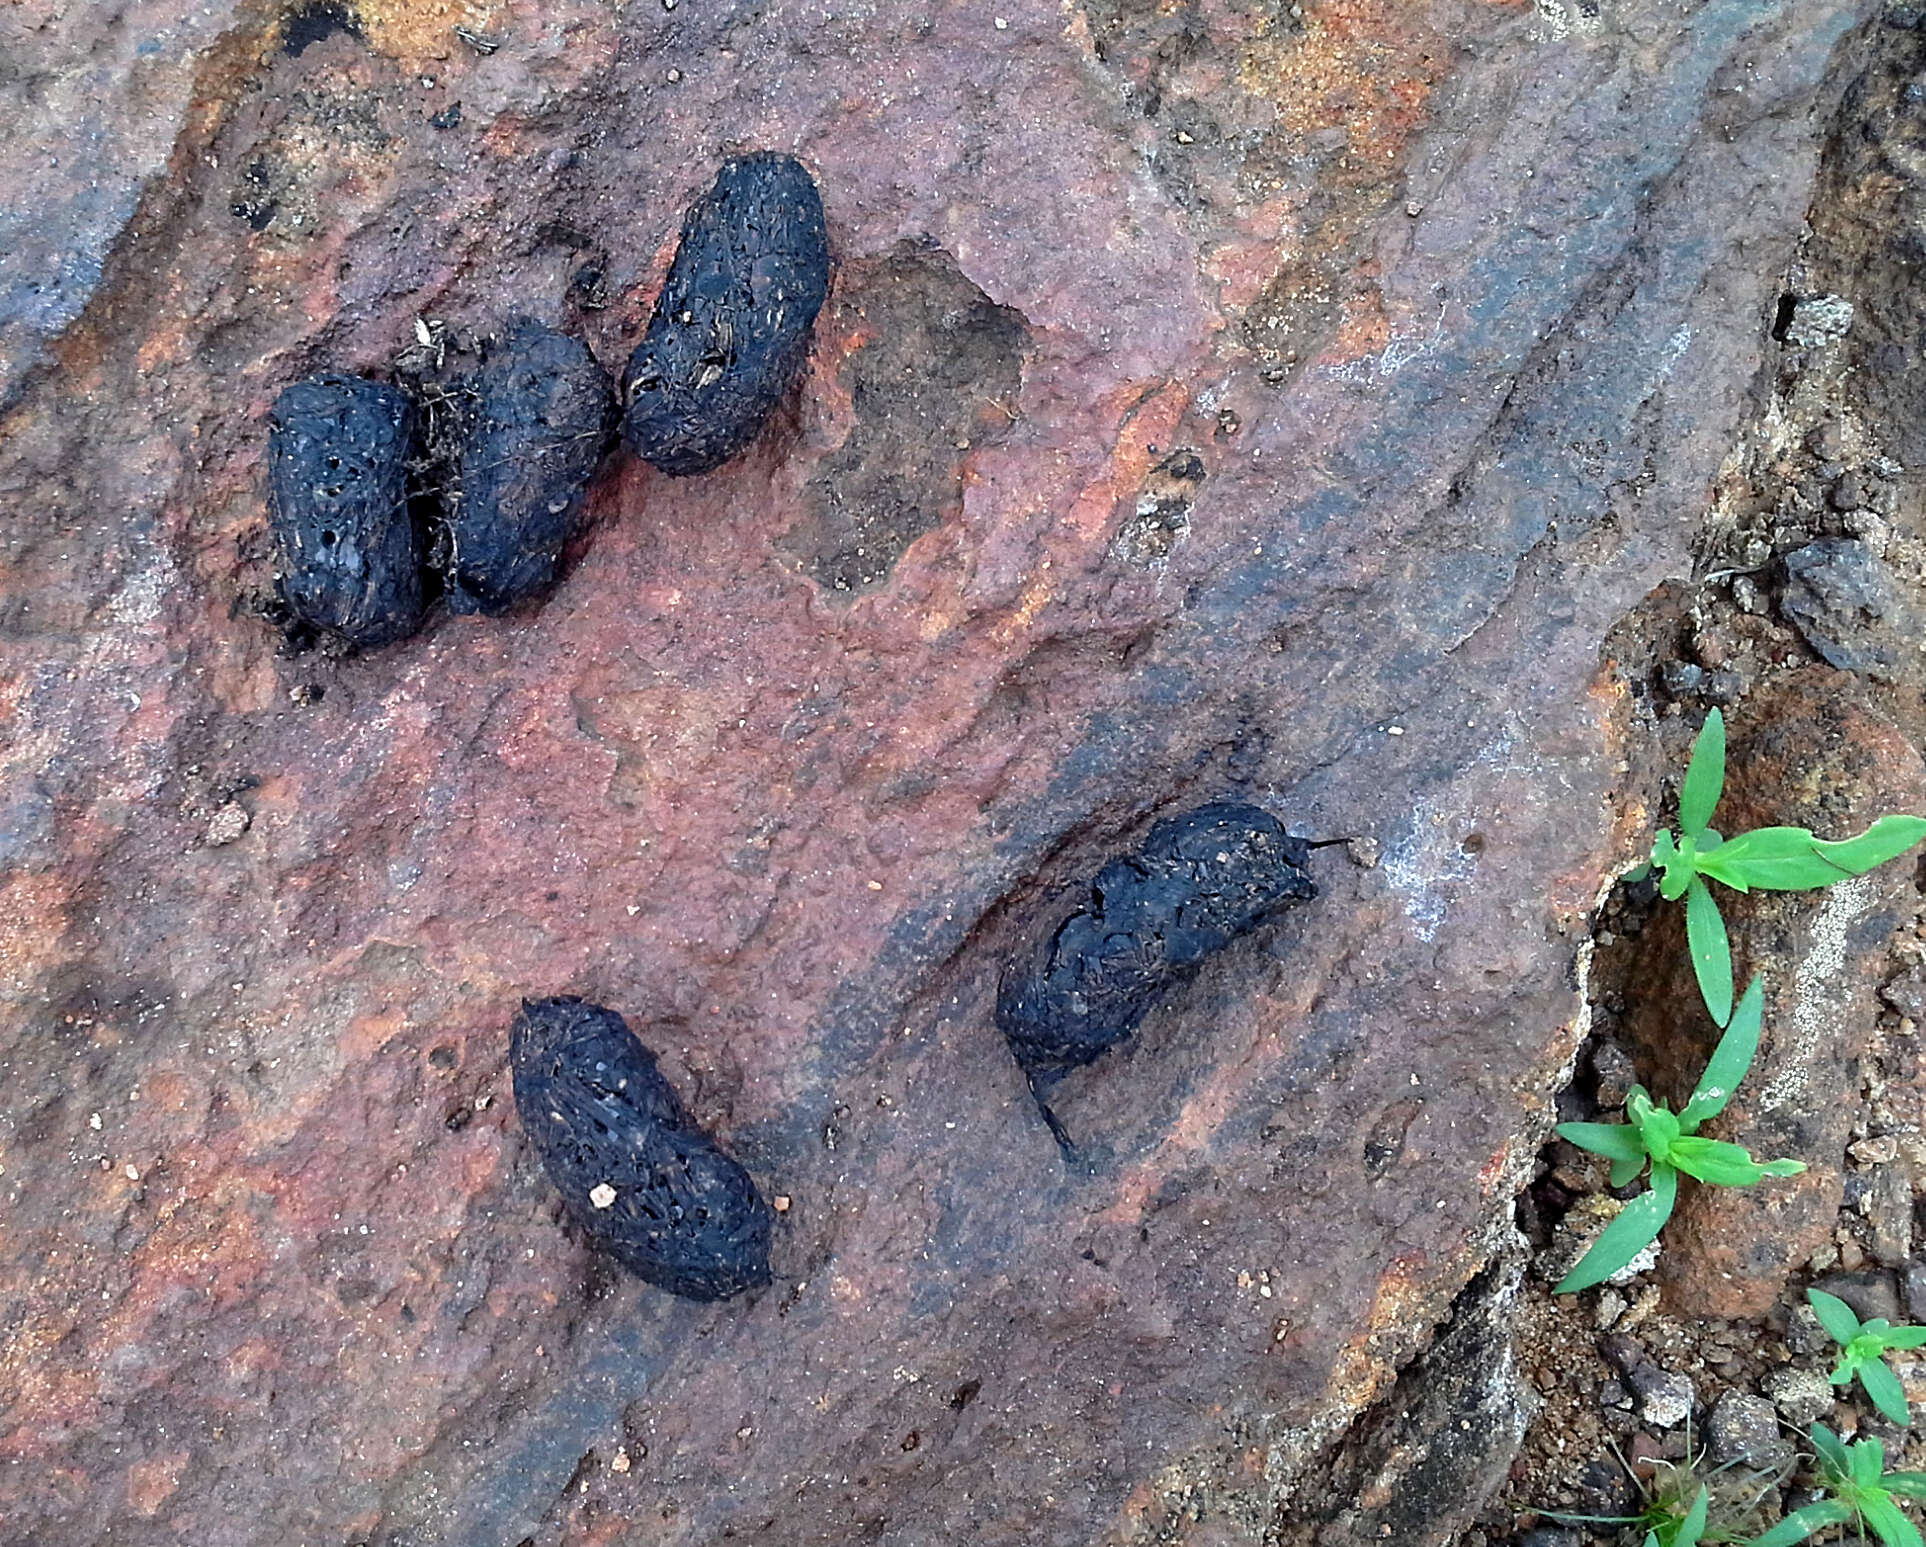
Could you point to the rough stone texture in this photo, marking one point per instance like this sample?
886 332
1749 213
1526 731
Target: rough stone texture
1811 750
1872 214
1845 605
1872 1295
1801 1396
1457 306
1744 1430
1438 1446
1665 1397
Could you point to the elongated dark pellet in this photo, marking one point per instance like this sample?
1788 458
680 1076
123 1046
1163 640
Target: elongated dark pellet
1147 921
635 1172
535 429
731 328
347 550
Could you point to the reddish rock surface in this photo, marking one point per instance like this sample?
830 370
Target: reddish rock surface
1456 305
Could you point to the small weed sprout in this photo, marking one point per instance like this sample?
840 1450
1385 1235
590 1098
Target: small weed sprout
1686 1504
1862 1495
1767 859
1688 1532
1865 1344
1669 1142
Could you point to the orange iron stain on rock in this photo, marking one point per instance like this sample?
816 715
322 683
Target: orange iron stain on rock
1143 435
415 31
1366 68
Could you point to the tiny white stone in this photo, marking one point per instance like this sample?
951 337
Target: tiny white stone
601 1195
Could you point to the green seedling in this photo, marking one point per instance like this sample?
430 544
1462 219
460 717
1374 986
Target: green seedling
1669 1142
1767 859
1684 1533
1865 1344
1686 1505
1862 1495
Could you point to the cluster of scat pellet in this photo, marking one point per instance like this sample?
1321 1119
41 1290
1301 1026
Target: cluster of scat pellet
350 549
725 344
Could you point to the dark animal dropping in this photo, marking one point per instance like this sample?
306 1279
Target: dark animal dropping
731 328
1147 921
635 1172
536 424
350 558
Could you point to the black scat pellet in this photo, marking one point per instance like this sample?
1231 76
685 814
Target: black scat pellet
538 420
347 549
635 1172
1147 921
731 328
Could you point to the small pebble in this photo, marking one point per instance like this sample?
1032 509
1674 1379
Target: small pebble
228 824
1611 1305
1665 1397
1873 1152
1723 687
1744 1429
1615 1072
1802 1396
1913 1283
1681 679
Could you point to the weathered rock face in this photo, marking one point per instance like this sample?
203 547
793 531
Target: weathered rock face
1450 307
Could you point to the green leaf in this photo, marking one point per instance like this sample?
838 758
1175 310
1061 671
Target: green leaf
1787 856
1731 1060
1837 1317
1868 1457
1625 1170
1802 1523
1674 869
1831 1451
1887 1394
1888 838
1790 859
1711 951
1615 1141
1908 1485
1704 776
1657 1128
1784 1167
1692 1527
1888 1523
1716 1162
1635 1228
1906 1337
